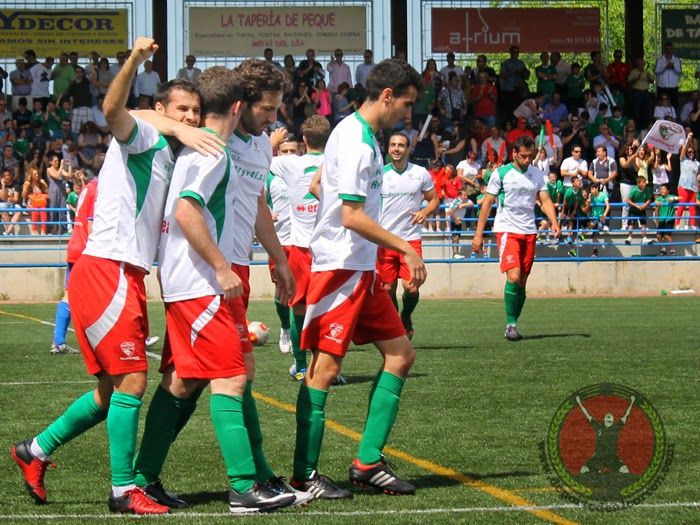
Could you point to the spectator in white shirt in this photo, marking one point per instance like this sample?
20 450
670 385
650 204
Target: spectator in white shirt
147 81
574 166
338 71
189 72
607 139
668 74
664 110
362 71
449 68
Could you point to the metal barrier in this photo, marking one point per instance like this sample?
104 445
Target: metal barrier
439 245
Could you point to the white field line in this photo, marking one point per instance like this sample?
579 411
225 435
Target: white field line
402 512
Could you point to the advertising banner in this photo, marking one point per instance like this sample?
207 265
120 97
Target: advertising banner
49 33
682 28
490 30
246 32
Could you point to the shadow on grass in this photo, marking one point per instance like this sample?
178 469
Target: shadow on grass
552 336
202 498
436 481
444 347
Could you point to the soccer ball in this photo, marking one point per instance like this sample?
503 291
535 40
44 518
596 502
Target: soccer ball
258 333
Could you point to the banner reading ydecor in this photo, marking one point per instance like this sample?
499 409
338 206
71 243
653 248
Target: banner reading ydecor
476 30
49 33
245 32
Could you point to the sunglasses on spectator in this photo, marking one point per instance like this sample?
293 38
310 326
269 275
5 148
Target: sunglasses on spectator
576 151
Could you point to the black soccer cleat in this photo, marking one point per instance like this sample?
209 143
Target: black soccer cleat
321 487
379 476
159 494
258 499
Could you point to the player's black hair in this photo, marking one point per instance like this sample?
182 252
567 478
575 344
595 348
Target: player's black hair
395 74
524 142
219 88
258 77
162 94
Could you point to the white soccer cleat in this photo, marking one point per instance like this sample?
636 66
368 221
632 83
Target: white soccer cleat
285 341
151 340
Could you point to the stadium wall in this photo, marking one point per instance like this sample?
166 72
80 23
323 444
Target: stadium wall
548 279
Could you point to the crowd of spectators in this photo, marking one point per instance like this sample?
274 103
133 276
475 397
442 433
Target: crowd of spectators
588 119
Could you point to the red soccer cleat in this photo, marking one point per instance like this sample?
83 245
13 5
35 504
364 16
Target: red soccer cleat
135 501
33 470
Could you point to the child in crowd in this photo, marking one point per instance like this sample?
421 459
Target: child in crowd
638 201
573 205
599 205
661 167
38 202
456 211
72 200
665 216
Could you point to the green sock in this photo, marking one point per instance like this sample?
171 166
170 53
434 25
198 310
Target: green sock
227 417
510 295
410 301
521 301
297 322
83 414
122 428
311 421
188 408
263 472
282 313
161 421
381 415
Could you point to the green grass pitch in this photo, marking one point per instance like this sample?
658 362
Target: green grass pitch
474 404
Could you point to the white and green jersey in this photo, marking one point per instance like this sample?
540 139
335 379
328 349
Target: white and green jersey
251 158
297 172
598 203
352 171
132 190
516 192
402 195
209 181
277 196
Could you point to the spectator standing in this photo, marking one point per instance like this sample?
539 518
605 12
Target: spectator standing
451 101
20 81
338 71
660 170
309 71
303 106
595 71
628 177
10 162
668 73
456 211
599 209
555 111
688 181
9 203
643 161
638 82
41 75
146 82
342 107
21 115
38 201
80 100
268 55
117 66
62 74
100 79
664 215
638 201
59 173
451 67
453 151
484 97
189 72
664 110
618 71
482 65
514 75
493 148
518 131
546 74
323 99
607 139
572 208
603 170
575 83
563 70
362 70
689 107
574 167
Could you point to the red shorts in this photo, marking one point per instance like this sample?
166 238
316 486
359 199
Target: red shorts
271 263
348 305
300 266
239 307
201 339
516 250
108 308
391 264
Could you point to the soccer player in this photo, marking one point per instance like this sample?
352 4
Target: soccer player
345 301
276 193
198 284
516 186
106 288
404 187
82 226
297 173
175 401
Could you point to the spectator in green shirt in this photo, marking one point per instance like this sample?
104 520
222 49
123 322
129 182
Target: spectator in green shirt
546 74
665 216
575 84
573 205
599 206
638 201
